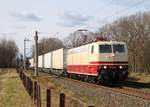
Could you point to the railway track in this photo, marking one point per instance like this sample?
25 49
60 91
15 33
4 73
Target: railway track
145 95
123 90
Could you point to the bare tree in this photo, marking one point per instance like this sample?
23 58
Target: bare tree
79 38
8 53
48 44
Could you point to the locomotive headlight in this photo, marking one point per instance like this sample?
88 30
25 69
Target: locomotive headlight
105 67
120 67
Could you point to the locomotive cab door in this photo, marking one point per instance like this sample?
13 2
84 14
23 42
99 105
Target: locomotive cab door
93 57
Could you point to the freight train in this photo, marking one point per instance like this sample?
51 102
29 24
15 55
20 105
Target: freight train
102 61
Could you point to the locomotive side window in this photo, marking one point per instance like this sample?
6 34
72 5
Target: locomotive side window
105 49
118 48
92 50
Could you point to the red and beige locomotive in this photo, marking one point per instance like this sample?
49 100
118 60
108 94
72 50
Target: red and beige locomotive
102 61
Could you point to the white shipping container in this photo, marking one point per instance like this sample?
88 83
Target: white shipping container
57 56
31 61
40 61
48 60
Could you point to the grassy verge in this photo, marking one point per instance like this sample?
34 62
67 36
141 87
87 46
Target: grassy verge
13 93
139 77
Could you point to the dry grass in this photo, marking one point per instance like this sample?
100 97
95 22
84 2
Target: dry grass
12 93
139 77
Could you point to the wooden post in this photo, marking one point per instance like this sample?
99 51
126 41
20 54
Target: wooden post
38 96
30 87
24 79
35 90
27 84
37 99
62 100
39 88
48 98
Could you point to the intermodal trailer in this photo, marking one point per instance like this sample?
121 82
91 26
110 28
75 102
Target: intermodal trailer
58 61
48 60
41 61
31 61
52 61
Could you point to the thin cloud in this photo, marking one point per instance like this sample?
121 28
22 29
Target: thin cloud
72 19
19 27
127 2
29 17
8 34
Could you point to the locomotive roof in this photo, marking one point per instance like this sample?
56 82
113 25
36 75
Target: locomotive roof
99 42
109 42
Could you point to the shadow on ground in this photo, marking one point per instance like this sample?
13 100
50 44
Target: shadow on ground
138 85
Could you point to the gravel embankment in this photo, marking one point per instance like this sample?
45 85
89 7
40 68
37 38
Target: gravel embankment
95 96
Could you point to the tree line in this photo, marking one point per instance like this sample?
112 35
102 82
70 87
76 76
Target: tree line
8 53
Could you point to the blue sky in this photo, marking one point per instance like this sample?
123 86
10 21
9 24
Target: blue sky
20 18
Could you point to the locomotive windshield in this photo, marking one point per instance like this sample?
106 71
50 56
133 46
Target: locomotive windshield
105 49
118 48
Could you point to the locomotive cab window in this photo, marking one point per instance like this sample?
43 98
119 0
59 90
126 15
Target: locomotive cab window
92 49
105 49
118 48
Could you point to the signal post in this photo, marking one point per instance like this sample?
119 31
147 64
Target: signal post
36 53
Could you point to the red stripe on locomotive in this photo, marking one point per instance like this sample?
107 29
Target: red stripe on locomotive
83 69
103 63
90 69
